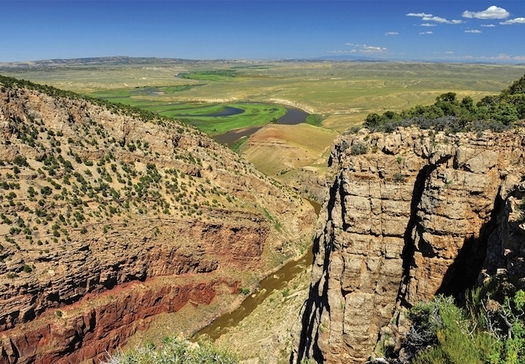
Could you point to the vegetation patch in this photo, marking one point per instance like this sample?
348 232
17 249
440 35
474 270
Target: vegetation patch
485 331
174 351
211 75
211 118
314 119
497 113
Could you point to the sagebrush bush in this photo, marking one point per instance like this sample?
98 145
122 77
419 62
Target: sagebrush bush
441 332
174 351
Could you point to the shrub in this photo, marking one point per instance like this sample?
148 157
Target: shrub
496 112
20 161
175 351
399 178
359 148
441 332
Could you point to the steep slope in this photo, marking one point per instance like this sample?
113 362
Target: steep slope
410 214
108 220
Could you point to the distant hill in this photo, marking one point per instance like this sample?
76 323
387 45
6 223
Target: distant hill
109 61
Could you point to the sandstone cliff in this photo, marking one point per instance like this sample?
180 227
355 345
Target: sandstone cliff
108 220
409 214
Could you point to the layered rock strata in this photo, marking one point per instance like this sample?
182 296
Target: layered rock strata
96 202
409 214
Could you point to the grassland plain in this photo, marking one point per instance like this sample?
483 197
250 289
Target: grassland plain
344 92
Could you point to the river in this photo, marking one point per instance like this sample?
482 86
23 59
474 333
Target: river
292 117
267 286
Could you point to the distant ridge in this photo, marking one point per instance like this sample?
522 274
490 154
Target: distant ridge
127 60
346 57
103 61
114 60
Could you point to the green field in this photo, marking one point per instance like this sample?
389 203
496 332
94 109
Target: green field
211 118
214 75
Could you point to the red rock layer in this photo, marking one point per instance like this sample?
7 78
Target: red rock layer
92 328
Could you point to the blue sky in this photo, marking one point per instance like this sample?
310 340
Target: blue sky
462 31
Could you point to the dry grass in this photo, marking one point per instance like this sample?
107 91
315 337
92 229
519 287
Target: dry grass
277 149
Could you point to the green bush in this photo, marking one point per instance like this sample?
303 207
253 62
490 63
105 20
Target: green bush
359 148
443 333
496 112
174 351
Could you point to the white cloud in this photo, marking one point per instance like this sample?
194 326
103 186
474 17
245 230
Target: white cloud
437 19
473 31
363 48
371 49
488 25
420 15
492 12
391 33
425 33
428 25
513 21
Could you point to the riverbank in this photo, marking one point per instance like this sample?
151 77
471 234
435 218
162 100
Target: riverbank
291 117
269 333
265 326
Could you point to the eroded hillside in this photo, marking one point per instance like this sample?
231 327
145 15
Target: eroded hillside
108 220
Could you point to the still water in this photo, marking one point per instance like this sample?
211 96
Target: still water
292 117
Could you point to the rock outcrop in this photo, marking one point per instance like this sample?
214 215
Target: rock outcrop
409 215
108 220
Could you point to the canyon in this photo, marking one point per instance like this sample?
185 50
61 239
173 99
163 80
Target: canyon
409 214
112 216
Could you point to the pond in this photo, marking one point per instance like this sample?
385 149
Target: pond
226 111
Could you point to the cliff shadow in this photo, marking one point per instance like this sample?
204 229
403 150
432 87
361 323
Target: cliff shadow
316 303
463 273
409 248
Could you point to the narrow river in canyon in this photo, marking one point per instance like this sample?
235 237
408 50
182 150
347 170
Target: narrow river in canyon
267 286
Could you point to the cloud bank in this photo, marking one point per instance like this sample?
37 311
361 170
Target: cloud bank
513 21
492 12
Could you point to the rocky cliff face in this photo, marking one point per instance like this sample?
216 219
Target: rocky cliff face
409 215
108 221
